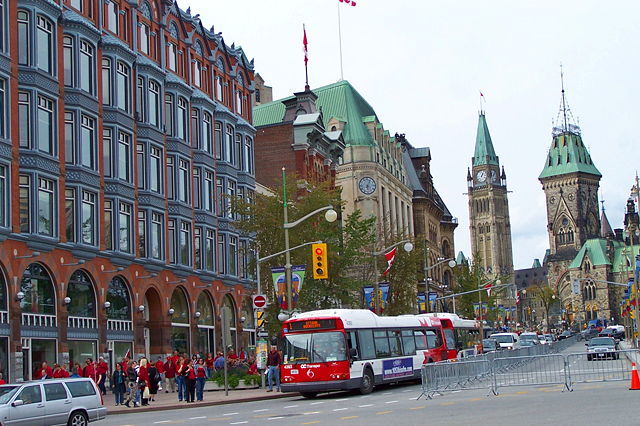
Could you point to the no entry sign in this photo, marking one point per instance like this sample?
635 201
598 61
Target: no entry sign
259 301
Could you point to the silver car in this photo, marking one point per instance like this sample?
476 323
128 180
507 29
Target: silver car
51 402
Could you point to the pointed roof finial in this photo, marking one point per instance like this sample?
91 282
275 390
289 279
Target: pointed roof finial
564 104
564 123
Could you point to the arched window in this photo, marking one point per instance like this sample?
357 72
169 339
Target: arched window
228 314
82 295
3 293
39 294
179 321
206 324
119 300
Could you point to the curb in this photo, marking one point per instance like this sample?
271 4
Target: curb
184 405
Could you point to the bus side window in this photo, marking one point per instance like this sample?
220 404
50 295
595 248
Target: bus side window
451 340
353 344
434 340
366 348
408 343
382 344
395 343
421 340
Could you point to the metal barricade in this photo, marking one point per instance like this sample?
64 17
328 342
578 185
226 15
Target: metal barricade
448 376
529 370
591 367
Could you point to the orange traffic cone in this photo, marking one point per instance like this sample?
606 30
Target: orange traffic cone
635 380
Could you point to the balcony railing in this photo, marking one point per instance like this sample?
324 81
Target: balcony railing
39 320
82 322
119 325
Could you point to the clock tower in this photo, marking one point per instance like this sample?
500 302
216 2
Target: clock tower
489 222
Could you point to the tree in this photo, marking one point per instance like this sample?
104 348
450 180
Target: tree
346 241
402 277
546 296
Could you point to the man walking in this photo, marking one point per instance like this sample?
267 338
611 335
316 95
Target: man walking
273 365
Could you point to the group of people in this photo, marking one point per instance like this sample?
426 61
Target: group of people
96 370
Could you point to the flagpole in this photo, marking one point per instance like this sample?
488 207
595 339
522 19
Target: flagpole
340 42
306 59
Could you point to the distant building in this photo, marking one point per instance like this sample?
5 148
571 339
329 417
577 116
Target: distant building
530 312
262 94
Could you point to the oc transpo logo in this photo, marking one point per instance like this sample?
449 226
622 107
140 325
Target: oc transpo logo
310 374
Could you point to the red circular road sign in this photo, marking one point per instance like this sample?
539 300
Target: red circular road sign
259 301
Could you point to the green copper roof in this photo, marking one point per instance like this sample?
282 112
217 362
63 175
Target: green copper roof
484 153
596 249
461 259
536 263
568 155
339 100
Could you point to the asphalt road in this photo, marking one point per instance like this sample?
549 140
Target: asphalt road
589 403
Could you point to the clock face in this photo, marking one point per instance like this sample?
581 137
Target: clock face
367 185
481 176
494 176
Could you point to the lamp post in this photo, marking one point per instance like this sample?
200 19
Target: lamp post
408 246
330 216
481 330
426 268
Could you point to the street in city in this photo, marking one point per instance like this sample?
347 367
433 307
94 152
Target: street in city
589 403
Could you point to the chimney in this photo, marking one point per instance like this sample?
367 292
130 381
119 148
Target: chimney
618 232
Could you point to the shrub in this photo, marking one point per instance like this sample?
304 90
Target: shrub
234 381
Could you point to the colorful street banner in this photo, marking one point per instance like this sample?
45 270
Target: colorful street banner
280 284
382 296
261 354
422 303
432 299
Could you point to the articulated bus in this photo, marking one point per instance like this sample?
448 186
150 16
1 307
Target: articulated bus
342 349
466 330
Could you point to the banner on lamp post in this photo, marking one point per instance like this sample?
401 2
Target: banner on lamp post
382 296
280 284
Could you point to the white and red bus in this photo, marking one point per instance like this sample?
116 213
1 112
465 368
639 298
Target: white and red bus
342 349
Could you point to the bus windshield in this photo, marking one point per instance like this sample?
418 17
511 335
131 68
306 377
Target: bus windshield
315 347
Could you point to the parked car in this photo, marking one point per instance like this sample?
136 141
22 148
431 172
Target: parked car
565 335
505 340
602 348
530 337
51 402
616 333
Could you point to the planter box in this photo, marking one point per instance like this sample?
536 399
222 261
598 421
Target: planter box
213 386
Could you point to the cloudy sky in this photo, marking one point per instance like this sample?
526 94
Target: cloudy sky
421 64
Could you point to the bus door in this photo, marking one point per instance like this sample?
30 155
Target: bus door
355 361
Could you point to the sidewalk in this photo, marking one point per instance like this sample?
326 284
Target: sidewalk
169 401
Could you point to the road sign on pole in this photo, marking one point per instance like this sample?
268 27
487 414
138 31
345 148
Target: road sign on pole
259 301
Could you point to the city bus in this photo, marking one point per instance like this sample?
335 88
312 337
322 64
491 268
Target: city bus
466 330
355 349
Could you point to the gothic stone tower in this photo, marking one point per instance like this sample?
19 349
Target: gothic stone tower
489 208
570 182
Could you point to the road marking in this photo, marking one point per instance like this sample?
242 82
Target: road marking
393 402
342 399
227 414
215 419
199 417
447 403
311 423
239 423
415 398
341 409
476 399
321 402
311 412
275 418
349 417
263 409
384 412
387 393
407 390
291 406
418 408
162 421
365 405
456 391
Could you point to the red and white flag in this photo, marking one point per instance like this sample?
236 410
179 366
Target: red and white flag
390 258
304 44
128 354
517 297
488 288
351 2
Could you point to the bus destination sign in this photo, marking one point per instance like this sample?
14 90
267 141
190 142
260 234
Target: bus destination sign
321 324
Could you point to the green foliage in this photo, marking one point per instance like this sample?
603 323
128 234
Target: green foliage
402 278
252 380
233 381
347 241
547 296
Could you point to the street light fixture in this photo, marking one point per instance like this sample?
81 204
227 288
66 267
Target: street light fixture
408 246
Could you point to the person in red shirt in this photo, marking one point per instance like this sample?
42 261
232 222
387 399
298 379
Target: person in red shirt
175 357
64 370
2 381
101 374
253 366
45 372
143 379
57 371
209 364
170 375
89 370
190 376
201 377
160 369
125 363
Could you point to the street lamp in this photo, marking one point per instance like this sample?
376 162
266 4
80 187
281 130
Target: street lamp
330 216
426 268
408 246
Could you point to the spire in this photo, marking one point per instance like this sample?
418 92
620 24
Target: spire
484 153
605 227
564 123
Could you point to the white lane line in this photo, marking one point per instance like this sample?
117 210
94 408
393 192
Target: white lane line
407 390
388 393
316 403
456 391
311 412
391 402
239 423
341 409
291 406
262 409
414 398
161 421
275 418
365 405
199 417
342 399
227 414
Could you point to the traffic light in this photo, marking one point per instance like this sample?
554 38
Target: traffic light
320 264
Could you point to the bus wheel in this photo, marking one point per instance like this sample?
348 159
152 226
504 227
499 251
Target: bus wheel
309 395
366 386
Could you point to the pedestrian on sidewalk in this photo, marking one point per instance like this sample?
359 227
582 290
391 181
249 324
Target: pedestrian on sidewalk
132 385
189 374
273 372
77 371
170 375
143 380
180 381
160 368
89 370
201 377
102 369
118 384
154 379
209 362
219 362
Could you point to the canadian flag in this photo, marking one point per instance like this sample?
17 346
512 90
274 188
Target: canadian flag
488 288
351 2
390 258
517 297
304 44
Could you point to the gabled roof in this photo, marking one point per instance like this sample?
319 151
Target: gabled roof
461 259
338 100
484 153
568 154
605 226
596 250
536 263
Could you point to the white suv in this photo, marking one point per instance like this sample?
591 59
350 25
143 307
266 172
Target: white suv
51 402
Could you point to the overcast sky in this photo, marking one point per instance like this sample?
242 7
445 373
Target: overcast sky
421 64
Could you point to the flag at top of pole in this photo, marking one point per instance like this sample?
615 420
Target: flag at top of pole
306 57
351 2
390 256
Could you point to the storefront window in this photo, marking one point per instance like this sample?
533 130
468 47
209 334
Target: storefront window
80 350
180 339
39 295
42 350
180 307
83 300
118 297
